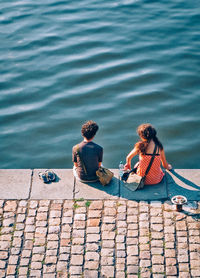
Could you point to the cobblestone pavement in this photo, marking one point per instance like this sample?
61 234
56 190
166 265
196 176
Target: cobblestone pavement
109 238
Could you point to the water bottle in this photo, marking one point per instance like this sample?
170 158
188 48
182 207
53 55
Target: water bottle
121 169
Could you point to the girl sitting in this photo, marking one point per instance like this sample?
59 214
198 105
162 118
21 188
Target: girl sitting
144 149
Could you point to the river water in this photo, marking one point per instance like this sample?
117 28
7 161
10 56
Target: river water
119 63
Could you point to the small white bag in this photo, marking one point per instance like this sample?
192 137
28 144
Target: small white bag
134 182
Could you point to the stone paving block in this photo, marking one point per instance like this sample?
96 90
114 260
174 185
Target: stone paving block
96 191
15 183
61 189
149 192
184 182
107 271
91 273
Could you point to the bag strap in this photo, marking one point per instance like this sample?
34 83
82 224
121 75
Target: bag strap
151 162
83 165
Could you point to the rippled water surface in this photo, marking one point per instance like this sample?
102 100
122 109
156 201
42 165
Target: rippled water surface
120 63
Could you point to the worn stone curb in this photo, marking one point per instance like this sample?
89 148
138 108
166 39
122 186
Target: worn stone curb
25 184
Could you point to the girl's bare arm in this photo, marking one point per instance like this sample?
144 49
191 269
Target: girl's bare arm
164 161
129 157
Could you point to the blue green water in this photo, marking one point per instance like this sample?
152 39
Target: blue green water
120 63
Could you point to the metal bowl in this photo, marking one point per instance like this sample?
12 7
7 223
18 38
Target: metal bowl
179 200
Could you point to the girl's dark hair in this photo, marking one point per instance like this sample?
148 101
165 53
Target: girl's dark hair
89 129
147 132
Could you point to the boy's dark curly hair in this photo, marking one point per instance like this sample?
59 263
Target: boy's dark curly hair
89 129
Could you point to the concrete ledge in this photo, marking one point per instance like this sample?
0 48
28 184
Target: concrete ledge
184 182
61 189
15 184
148 193
25 184
96 190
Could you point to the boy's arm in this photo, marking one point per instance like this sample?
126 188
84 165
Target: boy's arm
74 157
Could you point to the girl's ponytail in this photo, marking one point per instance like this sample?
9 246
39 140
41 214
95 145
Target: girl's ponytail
157 142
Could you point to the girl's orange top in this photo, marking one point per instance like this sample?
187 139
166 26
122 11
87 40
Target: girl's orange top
155 173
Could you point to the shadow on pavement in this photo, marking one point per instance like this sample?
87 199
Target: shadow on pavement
179 185
153 192
186 181
94 190
195 216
